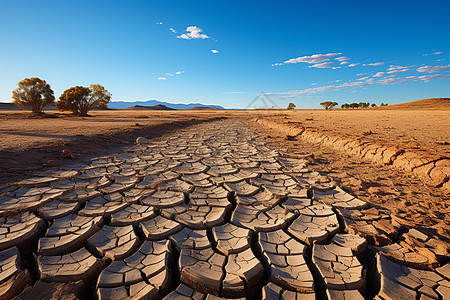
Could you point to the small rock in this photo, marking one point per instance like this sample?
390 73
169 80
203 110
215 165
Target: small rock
141 140
374 190
290 137
66 153
52 163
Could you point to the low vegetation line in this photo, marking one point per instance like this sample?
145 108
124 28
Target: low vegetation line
433 172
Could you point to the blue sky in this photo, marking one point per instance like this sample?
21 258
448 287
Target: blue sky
303 52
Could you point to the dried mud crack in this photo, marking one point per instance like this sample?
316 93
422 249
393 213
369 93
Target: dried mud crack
209 212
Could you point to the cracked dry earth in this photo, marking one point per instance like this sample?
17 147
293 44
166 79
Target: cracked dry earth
209 212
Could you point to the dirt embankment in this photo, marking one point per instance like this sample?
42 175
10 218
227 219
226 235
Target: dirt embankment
412 141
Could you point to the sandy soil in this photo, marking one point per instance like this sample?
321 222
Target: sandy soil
423 131
28 144
19 132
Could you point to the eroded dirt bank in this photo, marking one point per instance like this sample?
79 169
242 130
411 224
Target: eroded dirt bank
423 152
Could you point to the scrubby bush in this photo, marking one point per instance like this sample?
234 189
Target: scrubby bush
34 93
374 105
80 100
364 104
328 104
291 106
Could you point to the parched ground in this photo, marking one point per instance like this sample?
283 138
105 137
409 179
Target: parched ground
423 131
29 144
222 209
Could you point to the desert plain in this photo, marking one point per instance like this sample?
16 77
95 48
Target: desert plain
226 204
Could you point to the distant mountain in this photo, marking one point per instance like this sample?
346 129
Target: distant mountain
204 108
154 107
6 105
123 104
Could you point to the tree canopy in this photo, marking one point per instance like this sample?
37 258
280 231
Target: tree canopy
80 99
34 93
291 106
328 104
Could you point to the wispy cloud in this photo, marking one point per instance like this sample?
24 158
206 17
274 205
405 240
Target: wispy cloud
193 32
173 30
166 75
435 53
374 64
312 59
361 74
396 71
323 65
353 64
214 51
158 23
433 69
379 74
362 82
233 93
393 67
342 58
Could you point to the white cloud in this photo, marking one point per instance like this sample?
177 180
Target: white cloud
342 58
344 62
166 75
158 23
395 71
313 59
353 64
193 32
379 74
433 69
214 51
440 59
374 64
428 78
363 78
323 65
435 53
393 67
361 74
173 30
357 84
